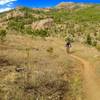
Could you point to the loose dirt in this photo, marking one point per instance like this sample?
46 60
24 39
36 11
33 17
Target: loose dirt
92 89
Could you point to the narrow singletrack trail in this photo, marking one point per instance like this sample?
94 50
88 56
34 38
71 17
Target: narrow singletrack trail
91 88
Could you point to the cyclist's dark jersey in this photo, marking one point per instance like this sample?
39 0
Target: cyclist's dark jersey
68 44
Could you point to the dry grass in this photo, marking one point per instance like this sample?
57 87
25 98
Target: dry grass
32 69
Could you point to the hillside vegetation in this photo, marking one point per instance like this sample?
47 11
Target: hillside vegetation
77 23
33 60
38 69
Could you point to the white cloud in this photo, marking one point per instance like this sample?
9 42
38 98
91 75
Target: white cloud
5 9
3 2
6 5
9 4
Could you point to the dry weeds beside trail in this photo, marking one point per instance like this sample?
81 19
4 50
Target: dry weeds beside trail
92 89
14 55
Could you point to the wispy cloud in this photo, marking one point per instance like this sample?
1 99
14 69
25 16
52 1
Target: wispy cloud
9 4
6 5
3 2
5 9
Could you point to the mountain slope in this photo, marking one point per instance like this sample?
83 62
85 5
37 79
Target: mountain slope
76 24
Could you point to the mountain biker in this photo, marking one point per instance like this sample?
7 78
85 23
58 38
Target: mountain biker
68 46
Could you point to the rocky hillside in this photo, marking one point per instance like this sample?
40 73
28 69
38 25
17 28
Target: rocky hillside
42 24
80 22
34 64
72 5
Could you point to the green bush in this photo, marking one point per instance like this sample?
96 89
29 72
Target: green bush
18 26
98 47
50 50
28 30
89 39
3 34
42 33
94 43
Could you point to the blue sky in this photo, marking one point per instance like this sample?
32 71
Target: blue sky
6 5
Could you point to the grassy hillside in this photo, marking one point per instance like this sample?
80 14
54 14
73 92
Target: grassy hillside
33 60
38 69
74 23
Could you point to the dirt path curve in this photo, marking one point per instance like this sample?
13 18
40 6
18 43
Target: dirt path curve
91 87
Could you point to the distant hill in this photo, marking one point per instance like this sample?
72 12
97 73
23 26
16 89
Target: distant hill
72 5
75 20
34 64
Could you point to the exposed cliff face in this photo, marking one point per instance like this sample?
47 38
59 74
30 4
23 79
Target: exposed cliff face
42 24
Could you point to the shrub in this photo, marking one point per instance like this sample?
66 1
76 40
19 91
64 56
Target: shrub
42 33
69 38
50 50
94 43
18 26
28 30
3 34
98 47
88 39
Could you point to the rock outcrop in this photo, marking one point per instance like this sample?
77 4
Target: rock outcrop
42 24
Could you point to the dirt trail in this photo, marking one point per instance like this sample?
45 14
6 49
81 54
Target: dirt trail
91 87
